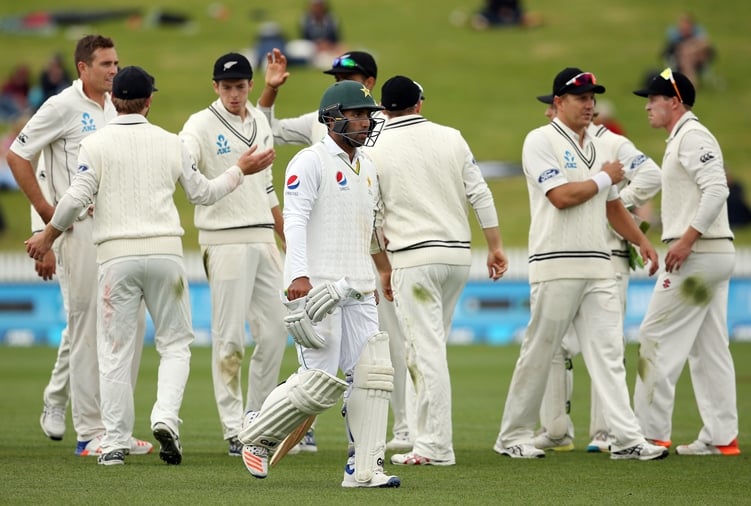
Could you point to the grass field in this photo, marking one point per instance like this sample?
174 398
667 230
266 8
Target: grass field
36 470
482 83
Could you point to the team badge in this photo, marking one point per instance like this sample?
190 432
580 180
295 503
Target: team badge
365 91
666 283
222 145
341 179
293 182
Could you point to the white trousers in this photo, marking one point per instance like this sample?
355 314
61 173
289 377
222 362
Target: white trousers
124 283
78 259
687 320
426 297
245 281
594 308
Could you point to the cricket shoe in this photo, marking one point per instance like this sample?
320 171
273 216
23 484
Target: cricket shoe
256 460
642 451
170 450
413 459
235 447
400 441
702 448
308 443
543 441
600 443
53 422
520 451
93 447
378 480
660 442
113 458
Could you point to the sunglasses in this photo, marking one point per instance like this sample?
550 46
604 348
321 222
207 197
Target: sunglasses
578 80
667 74
347 63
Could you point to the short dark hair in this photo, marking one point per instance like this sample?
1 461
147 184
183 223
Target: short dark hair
134 106
87 45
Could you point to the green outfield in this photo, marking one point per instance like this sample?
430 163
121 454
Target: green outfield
36 470
482 83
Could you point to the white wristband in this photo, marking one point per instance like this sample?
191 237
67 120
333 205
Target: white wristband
602 180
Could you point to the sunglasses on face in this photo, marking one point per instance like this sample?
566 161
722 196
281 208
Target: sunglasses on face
667 74
347 63
578 80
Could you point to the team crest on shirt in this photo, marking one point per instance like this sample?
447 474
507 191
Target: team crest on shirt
88 123
293 182
547 175
666 283
341 180
222 145
569 160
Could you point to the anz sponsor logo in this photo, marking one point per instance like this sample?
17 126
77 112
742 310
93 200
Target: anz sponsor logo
222 145
638 161
88 123
569 159
706 157
547 175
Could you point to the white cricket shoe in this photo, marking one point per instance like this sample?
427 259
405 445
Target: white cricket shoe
139 447
702 448
413 459
543 441
400 441
53 422
600 443
379 479
256 460
520 451
642 451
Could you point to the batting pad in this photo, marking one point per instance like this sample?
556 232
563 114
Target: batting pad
368 406
305 393
556 403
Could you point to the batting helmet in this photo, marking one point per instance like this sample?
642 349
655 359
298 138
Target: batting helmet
344 96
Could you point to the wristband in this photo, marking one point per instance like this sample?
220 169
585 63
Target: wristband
602 180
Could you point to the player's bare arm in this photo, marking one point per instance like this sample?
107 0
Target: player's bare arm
622 222
497 261
39 244
383 266
252 161
577 192
275 76
24 174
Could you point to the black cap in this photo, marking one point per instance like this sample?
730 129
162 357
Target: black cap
399 93
354 62
572 80
132 83
232 66
661 84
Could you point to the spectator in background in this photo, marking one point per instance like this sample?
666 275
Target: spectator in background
14 95
53 79
688 49
605 116
321 28
739 212
503 13
7 181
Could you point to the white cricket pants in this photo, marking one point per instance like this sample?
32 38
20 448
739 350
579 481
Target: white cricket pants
687 319
159 281
426 297
245 280
594 308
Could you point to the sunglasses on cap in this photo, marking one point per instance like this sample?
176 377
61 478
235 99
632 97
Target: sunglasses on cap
667 74
578 80
347 63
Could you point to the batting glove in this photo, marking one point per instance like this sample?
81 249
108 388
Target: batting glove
326 297
299 326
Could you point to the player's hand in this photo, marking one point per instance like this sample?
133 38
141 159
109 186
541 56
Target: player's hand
38 245
253 161
677 254
46 268
614 170
497 264
276 69
388 292
649 255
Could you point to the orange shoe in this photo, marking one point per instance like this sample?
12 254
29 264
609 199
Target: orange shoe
658 442
702 448
731 449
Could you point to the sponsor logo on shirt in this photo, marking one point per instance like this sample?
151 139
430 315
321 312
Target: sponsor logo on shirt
83 168
88 123
706 157
341 180
569 159
293 182
22 138
222 145
547 175
636 163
